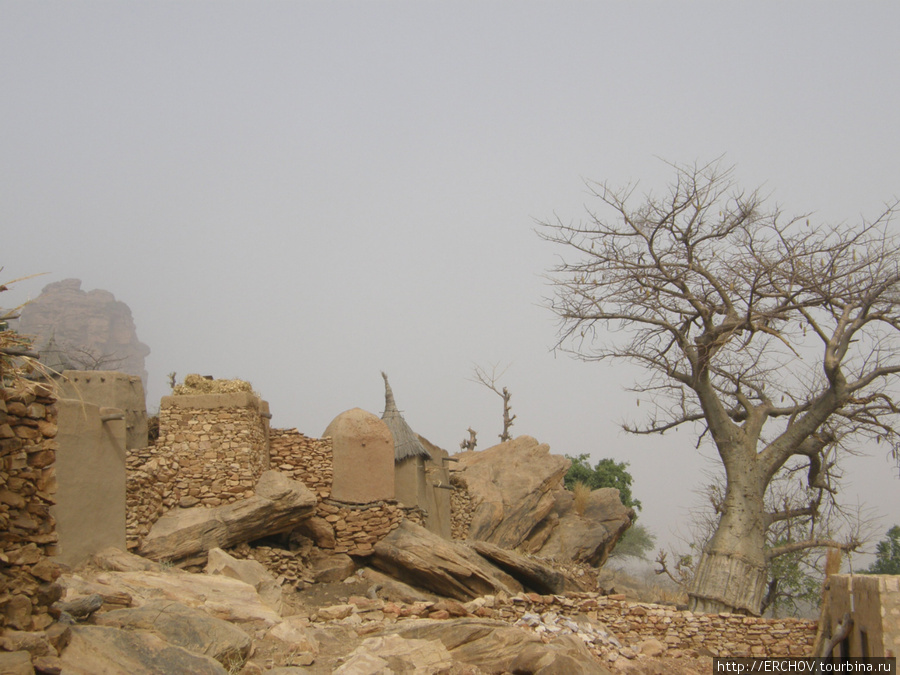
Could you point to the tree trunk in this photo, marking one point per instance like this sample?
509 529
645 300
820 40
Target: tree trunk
732 573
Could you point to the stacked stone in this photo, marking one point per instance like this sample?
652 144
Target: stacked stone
220 453
203 457
308 460
678 632
358 528
589 617
461 510
148 490
28 419
291 566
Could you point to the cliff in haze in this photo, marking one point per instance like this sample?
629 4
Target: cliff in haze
83 330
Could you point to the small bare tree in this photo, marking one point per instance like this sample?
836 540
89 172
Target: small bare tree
470 442
490 380
778 341
87 358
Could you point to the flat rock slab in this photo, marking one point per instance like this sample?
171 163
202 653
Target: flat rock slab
392 653
220 596
532 574
497 647
416 556
183 626
96 650
278 505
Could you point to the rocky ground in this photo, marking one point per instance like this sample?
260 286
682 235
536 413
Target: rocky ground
125 614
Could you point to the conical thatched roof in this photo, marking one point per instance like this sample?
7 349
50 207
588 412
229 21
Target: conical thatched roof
406 443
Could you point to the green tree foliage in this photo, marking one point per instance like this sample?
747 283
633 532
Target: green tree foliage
637 542
887 554
795 582
606 473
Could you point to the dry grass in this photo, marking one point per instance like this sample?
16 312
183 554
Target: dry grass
197 384
582 494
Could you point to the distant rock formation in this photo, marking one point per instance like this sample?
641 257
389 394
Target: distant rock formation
80 330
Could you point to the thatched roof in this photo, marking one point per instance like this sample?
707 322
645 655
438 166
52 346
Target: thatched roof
406 443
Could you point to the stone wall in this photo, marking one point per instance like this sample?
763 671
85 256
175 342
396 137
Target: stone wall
677 631
28 429
339 527
461 510
211 450
308 460
358 527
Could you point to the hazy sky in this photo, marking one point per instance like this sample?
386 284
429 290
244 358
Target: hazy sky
303 194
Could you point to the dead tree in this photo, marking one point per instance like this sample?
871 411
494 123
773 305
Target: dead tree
470 442
490 381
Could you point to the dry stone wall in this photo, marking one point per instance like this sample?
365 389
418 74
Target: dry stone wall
677 631
211 456
308 460
461 510
358 527
28 429
211 451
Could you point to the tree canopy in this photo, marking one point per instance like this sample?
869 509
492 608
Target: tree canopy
606 473
887 554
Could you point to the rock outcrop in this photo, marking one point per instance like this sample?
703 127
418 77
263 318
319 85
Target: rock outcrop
416 556
511 487
512 496
150 618
588 538
104 649
80 330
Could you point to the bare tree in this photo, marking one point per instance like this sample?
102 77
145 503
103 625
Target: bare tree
470 442
490 380
777 339
87 358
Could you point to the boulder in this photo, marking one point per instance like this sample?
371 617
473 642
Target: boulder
220 596
591 537
116 560
416 556
16 663
103 649
327 568
510 486
385 587
484 643
295 631
319 530
249 571
565 655
177 624
532 574
496 647
278 505
392 653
